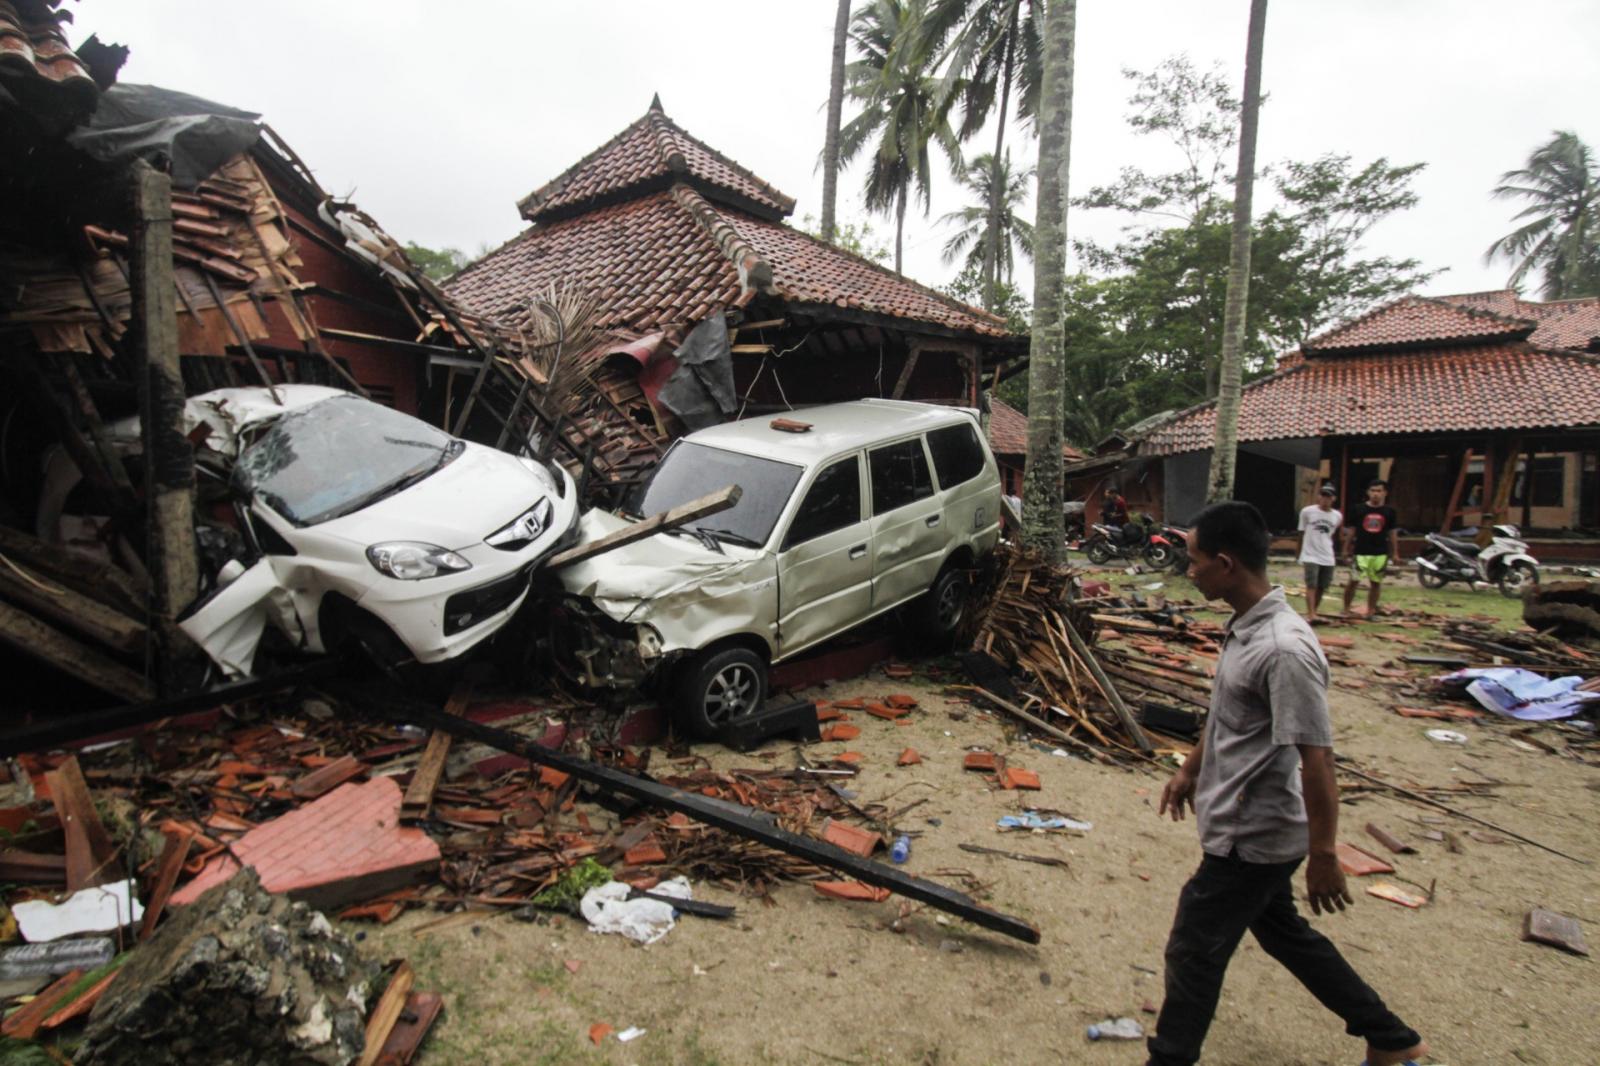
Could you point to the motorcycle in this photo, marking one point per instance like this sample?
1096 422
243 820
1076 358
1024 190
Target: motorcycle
1139 539
1169 549
1505 562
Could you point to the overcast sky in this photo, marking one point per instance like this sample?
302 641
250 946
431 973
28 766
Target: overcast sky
439 116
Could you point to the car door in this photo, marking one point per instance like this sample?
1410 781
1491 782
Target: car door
825 559
968 485
908 534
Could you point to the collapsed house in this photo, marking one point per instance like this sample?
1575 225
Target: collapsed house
1476 408
718 307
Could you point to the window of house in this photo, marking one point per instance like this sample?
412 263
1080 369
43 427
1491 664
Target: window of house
833 502
1549 481
899 475
957 455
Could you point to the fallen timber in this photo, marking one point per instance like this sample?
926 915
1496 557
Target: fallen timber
723 815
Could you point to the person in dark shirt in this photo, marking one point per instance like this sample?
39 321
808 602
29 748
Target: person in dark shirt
1371 529
1114 513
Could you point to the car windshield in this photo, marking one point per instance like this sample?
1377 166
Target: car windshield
690 471
337 456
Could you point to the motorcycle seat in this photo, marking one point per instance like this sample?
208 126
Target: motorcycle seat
1468 546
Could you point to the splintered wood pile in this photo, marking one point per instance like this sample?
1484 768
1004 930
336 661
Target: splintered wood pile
1027 621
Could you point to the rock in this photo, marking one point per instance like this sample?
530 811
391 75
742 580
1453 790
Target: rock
238 977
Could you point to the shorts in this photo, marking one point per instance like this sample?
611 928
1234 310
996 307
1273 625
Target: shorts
1318 576
1371 567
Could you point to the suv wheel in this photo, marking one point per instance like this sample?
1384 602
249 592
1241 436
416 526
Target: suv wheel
716 688
937 614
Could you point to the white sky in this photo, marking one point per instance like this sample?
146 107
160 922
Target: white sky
439 116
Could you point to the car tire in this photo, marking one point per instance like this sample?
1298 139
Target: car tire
936 615
718 687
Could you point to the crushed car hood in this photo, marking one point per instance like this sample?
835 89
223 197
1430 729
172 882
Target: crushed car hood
653 572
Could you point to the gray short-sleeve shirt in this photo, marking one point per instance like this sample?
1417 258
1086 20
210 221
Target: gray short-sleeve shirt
1270 694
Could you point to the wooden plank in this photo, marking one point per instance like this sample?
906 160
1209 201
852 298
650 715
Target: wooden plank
32 868
422 1010
386 1013
325 779
82 574
57 603
418 800
91 856
31 636
709 504
1129 724
24 1023
905 374
173 855
85 1001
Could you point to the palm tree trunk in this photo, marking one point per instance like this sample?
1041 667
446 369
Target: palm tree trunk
1225 446
991 237
899 228
830 143
1042 526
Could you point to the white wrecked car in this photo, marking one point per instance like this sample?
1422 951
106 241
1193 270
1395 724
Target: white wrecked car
362 522
874 505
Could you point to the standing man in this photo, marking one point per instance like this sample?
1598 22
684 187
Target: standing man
1372 527
1261 784
1318 521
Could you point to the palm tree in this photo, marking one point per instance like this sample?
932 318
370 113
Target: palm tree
1562 236
992 48
1042 525
901 107
1015 232
1225 445
830 142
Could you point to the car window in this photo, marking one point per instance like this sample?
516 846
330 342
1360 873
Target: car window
832 502
957 455
337 456
899 475
689 471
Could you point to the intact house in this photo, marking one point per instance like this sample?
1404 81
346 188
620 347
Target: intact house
713 307
1480 407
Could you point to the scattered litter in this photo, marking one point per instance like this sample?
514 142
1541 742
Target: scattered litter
52 959
630 1034
1389 840
1395 894
608 910
102 909
1557 930
852 891
1523 694
1033 820
1116 1029
1447 736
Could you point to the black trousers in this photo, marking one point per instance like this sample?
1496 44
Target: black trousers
1223 899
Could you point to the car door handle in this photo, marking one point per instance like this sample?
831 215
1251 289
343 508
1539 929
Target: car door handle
933 520
858 551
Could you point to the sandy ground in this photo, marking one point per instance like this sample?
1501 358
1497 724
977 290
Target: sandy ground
811 980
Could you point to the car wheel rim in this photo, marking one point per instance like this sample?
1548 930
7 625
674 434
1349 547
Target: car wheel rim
950 604
733 692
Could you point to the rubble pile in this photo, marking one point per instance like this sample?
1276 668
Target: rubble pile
239 977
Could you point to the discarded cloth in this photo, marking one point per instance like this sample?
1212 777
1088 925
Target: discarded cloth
1523 694
1033 820
608 909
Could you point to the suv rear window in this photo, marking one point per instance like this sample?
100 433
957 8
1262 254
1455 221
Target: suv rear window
899 475
957 455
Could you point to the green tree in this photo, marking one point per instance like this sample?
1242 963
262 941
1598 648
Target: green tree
988 48
1225 445
1042 522
855 237
1561 182
438 264
972 239
903 113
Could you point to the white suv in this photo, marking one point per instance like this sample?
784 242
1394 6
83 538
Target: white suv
872 505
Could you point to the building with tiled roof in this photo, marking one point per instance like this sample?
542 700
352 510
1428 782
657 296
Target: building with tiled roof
667 232
1008 439
1441 396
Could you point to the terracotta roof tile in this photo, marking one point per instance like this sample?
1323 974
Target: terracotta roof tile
1571 324
34 45
647 154
1417 321
1008 432
1501 386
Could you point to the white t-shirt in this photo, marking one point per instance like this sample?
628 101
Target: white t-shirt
1319 526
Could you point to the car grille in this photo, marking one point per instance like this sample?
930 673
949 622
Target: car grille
466 609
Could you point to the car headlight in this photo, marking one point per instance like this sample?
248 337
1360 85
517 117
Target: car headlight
411 560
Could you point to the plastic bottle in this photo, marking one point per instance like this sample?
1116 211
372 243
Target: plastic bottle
1116 1029
901 851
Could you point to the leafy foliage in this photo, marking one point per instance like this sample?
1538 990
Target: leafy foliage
1561 239
439 263
570 888
1015 232
855 237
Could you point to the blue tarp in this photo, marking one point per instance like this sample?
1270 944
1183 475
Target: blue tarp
1518 693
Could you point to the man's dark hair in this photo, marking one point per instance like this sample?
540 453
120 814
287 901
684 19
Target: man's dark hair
1377 483
1237 529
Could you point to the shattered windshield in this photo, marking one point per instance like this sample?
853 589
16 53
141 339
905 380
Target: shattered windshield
690 471
338 456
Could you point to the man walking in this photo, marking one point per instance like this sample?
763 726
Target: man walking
1261 784
1372 527
1317 524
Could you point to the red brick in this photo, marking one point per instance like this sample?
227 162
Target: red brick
900 700
841 731
879 710
1016 777
909 757
986 761
646 852
346 847
851 838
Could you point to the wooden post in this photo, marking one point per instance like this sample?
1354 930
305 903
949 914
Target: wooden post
169 459
1527 489
1344 476
1454 505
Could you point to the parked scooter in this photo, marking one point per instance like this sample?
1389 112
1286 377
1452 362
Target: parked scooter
1169 549
1505 562
1139 539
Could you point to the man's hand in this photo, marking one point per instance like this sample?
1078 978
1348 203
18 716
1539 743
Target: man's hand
1325 885
1179 791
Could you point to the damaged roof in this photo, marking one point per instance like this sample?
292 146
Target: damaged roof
1008 432
664 229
